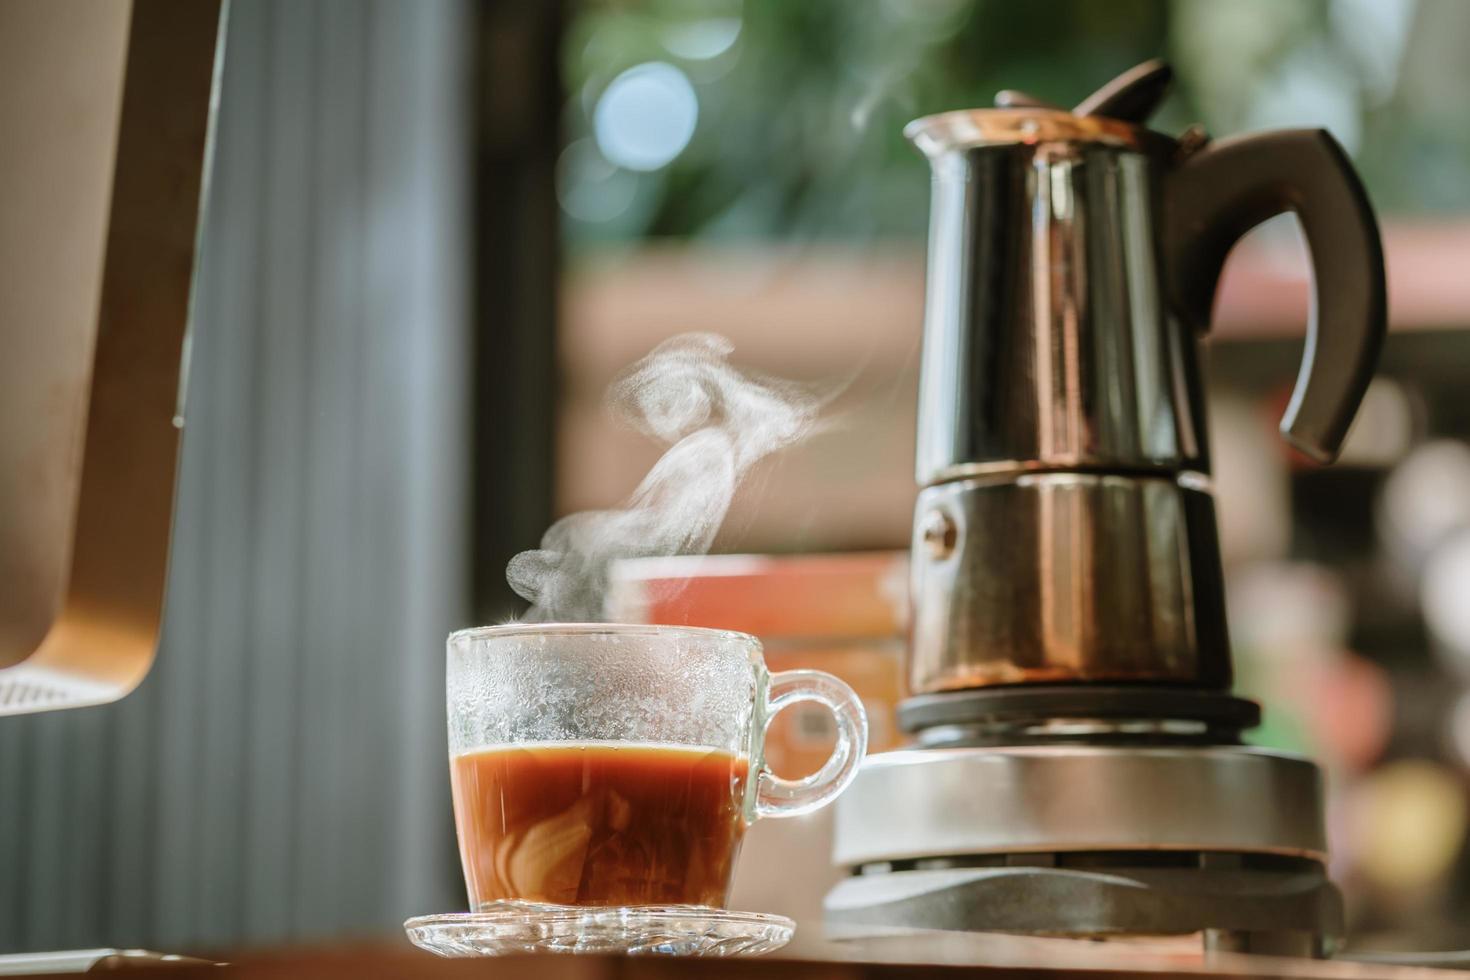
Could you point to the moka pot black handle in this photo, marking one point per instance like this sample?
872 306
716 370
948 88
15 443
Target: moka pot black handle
1222 191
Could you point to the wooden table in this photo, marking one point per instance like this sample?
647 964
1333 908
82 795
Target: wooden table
933 954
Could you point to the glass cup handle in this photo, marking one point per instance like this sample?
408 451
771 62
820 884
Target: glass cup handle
778 797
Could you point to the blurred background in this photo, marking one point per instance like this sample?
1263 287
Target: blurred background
435 232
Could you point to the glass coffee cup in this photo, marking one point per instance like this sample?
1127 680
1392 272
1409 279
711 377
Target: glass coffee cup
606 765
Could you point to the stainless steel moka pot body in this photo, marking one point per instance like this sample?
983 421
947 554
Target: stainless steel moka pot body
1069 663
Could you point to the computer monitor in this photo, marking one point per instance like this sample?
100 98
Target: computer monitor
105 123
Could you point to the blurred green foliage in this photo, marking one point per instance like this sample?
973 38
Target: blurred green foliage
799 124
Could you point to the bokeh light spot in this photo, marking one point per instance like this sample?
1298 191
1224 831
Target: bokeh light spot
646 116
702 39
1444 594
1411 817
589 187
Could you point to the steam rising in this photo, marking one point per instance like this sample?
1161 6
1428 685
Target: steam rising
718 422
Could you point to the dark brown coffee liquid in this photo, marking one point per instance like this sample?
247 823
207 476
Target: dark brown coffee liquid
599 823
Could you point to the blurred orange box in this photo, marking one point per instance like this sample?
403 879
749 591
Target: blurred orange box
842 613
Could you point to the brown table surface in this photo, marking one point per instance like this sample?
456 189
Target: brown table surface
892 958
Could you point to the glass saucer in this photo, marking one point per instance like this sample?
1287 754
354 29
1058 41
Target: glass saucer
526 927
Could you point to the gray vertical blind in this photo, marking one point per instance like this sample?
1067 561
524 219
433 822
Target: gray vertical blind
280 775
